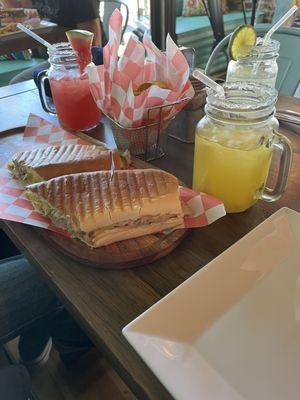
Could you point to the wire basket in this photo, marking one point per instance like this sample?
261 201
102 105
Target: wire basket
145 142
183 126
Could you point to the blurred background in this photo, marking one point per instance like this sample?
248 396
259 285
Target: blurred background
199 24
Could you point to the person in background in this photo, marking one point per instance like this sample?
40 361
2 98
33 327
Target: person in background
29 309
71 14
15 383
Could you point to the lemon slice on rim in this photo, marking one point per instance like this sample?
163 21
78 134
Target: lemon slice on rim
241 42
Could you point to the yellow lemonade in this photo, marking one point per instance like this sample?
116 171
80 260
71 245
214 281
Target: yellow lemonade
232 167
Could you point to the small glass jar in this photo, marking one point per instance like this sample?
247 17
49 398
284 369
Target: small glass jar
260 66
234 145
74 104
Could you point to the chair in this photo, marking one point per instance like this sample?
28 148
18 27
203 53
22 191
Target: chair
281 7
196 32
288 78
106 9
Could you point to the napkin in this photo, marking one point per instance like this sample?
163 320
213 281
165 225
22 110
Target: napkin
14 205
113 83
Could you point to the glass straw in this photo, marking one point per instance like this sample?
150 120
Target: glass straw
270 32
278 24
35 36
209 82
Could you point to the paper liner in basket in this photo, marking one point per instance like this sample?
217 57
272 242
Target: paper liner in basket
14 205
112 83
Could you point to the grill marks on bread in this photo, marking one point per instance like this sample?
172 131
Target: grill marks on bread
58 154
90 194
57 161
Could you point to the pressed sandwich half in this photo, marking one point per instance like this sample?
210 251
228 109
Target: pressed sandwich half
99 209
43 164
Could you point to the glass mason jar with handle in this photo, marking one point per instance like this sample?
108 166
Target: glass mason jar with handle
234 145
259 67
73 101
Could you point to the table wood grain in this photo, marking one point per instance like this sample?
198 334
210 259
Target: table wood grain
103 302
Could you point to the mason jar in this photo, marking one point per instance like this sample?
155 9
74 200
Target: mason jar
260 66
74 105
234 145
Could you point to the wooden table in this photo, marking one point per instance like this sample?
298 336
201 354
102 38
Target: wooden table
103 302
18 41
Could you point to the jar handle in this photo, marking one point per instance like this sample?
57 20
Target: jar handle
47 106
284 146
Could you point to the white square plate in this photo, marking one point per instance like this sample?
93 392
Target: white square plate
232 330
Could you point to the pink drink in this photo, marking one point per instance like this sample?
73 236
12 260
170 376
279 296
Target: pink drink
75 106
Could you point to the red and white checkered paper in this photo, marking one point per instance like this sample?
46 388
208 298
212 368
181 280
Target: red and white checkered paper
113 82
14 205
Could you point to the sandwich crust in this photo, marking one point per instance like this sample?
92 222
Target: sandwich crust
93 201
53 161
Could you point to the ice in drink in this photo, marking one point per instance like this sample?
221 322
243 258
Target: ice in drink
259 67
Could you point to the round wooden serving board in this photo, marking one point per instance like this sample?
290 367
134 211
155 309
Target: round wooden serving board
125 254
